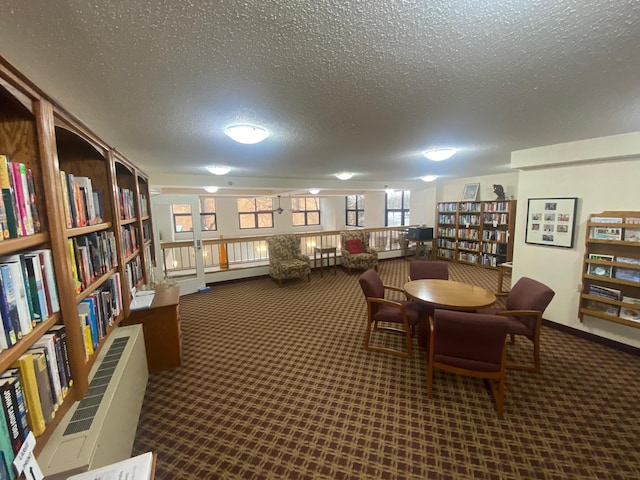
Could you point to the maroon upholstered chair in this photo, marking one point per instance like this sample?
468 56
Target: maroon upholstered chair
403 313
428 269
468 344
526 303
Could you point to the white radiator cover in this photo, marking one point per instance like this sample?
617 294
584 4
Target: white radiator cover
117 384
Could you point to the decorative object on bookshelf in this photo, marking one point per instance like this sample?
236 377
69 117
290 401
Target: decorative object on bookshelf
499 191
470 192
551 221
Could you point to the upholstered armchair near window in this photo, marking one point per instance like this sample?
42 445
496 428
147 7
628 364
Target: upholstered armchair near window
526 303
356 252
468 344
286 260
381 312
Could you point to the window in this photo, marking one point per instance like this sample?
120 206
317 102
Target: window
208 214
354 210
255 212
305 211
397 208
182 221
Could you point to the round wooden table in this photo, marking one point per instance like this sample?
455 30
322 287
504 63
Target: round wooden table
449 295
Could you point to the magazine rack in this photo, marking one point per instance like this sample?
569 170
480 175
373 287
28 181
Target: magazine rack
611 272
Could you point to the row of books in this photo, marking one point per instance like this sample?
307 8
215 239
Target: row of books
28 293
501 236
31 391
98 312
496 218
129 240
19 215
144 206
82 204
92 255
134 271
126 201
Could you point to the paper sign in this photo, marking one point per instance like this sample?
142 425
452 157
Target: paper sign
26 462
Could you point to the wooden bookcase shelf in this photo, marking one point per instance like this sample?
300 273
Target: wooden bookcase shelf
611 268
476 233
52 144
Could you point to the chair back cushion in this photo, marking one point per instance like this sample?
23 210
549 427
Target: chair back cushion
529 294
469 340
361 235
354 245
372 286
428 269
283 247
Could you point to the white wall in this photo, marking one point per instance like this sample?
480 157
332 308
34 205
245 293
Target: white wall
607 185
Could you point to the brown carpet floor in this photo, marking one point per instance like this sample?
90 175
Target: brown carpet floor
275 384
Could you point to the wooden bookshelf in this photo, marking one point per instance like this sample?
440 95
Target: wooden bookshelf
611 268
41 134
475 233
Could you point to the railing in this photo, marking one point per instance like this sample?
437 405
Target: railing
179 258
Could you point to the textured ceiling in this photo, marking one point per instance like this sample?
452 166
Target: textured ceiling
355 85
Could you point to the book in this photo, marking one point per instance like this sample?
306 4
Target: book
4 231
65 199
139 467
10 410
62 354
600 291
632 220
88 307
632 234
601 307
17 280
10 206
35 213
33 270
49 279
6 450
22 200
35 416
9 305
48 344
604 233
48 401
628 274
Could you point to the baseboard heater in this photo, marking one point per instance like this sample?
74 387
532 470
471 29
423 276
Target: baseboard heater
100 429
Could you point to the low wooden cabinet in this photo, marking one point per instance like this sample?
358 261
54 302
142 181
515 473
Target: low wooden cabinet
161 327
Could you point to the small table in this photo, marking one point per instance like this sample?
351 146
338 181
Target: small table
324 251
448 295
502 269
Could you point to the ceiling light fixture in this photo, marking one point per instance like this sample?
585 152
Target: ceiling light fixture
439 154
211 189
247 134
219 169
314 191
428 178
344 175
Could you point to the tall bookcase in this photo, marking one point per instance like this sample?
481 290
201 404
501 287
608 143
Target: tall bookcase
54 145
611 268
477 233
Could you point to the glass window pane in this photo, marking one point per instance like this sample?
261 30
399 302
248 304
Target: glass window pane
351 202
246 205
207 205
360 200
313 203
394 219
208 222
298 219
247 220
183 223
407 194
351 218
360 219
181 208
394 200
265 220
313 218
406 218
264 204
297 204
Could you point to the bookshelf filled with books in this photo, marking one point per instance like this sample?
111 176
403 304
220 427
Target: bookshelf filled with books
478 233
62 260
611 269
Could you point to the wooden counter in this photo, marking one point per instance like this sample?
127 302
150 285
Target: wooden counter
161 327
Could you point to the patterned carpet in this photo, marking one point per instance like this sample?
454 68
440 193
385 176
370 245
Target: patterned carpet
275 384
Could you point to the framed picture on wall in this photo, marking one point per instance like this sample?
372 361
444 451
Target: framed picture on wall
470 192
551 221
